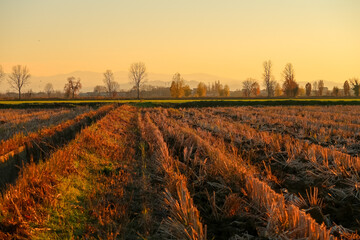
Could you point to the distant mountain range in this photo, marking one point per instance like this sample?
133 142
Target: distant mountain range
90 79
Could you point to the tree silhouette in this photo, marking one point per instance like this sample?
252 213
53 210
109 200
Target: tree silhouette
278 90
218 88
355 86
18 78
137 74
251 87
187 91
291 88
111 86
2 74
98 89
346 88
177 86
201 90
49 89
321 87
72 87
308 89
226 91
315 86
269 81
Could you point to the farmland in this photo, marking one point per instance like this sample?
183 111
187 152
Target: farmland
176 102
24 121
243 172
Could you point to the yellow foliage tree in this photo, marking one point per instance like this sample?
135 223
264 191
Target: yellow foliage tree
201 90
187 91
177 86
278 90
226 91
255 89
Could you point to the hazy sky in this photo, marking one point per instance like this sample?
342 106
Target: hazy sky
228 38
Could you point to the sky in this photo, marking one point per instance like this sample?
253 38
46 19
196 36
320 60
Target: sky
229 38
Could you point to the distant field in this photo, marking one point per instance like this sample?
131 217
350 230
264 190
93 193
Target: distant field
206 102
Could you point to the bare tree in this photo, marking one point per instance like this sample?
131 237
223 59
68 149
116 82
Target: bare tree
321 87
269 81
355 86
99 89
335 91
346 88
2 74
316 88
308 89
291 88
255 89
49 89
137 75
29 93
251 87
19 77
218 88
111 86
72 87
115 86
247 85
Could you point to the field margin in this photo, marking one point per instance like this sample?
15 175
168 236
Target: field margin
176 103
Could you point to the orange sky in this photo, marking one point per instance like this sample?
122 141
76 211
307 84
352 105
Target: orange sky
226 38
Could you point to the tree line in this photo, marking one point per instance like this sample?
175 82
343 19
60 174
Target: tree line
179 89
251 87
290 88
20 77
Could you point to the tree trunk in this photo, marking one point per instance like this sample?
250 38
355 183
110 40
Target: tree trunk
138 93
19 94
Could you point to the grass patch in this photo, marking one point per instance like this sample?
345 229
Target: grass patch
198 102
70 216
74 215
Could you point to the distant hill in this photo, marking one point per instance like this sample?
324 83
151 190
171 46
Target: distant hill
90 79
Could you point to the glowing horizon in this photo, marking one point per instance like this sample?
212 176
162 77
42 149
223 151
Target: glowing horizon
230 38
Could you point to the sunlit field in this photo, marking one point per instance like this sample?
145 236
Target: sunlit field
204 102
125 172
180 120
15 102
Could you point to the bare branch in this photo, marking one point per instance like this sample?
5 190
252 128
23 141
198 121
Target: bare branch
137 75
49 89
110 84
251 87
18 78
72 87
291 88
269 81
